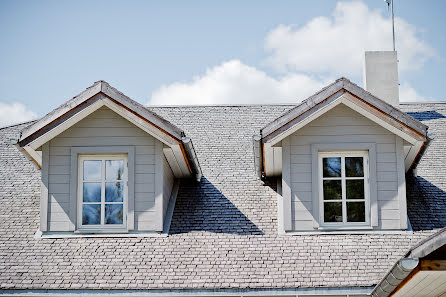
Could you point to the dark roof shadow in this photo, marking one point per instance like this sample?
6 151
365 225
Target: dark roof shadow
426 115
202 207
426 204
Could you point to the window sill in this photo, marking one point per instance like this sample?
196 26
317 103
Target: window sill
344 228
56 235
346 232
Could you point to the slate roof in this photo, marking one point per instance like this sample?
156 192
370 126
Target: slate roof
224 229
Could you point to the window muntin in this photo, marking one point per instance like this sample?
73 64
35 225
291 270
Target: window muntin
102 194
344 188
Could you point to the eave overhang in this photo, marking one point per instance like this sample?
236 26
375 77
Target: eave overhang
345 92
421 272
180 155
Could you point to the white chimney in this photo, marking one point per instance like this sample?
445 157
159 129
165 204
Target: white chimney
381 75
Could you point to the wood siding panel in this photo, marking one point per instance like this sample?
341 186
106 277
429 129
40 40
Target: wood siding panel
343 125
102 128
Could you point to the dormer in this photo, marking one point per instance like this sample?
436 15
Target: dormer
108 164
341 157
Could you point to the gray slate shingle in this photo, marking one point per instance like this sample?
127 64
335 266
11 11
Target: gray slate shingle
224 230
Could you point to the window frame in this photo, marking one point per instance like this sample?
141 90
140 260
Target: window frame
366 168
102 227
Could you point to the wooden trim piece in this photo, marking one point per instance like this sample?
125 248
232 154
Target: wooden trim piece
401 178
44 188
88 97
392 124
141 123
159 174
141 111
60 125
302 108
385 107
62 110
32 154
433 265
286 185
302 119
131 188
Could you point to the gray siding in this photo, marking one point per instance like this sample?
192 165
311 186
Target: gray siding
343 125
168 180
102 128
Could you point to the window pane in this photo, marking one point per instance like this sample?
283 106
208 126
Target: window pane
92 192
92 170
332 190
332 167
355 211
113 213
354 166
114 169
332 212
355 189
91 214
114 192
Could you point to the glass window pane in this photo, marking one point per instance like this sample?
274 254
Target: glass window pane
92 192
114 192
114 169
332 167
354 166
113 213
332 190
332 212
355 211
355 189
92 169
91 214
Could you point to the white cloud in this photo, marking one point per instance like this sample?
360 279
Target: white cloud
409 94
309 56
235 82
336 44
14 113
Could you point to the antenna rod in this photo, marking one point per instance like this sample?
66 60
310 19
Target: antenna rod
393 27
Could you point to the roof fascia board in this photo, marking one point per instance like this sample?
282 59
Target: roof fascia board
62 124
381 119
61 110
303 119
284 122
386 108
302 108
153 130
354 103
141 110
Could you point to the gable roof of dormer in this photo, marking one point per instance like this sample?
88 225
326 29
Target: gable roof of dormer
348 93
178 147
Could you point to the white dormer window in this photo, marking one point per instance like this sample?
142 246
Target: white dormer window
102 192
344 189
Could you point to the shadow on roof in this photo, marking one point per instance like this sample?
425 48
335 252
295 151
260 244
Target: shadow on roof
426 204
202 207
426 115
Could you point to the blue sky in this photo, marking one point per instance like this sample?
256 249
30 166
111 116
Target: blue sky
208 52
